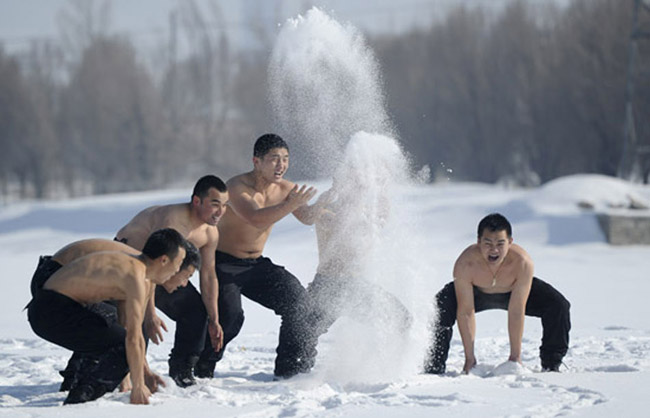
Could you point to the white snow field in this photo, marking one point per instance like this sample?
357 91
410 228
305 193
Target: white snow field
364 370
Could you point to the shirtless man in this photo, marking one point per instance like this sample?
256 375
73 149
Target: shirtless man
192 311
48 265
494 273
258 199
58 313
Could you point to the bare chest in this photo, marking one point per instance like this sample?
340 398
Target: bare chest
499 281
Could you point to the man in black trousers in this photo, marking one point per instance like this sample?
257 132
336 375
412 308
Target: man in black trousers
494 273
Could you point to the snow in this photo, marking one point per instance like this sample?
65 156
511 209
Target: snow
607 367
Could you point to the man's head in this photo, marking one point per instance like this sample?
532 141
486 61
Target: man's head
271 157
166 250
209 199
191 263
494 237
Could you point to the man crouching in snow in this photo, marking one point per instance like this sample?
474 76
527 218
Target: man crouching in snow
494 273
58 313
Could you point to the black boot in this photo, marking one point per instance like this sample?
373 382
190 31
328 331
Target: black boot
205 369
85 392
180 369
77 365
69 380
551 361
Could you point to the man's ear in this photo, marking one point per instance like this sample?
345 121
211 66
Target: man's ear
164 259
510 240
196 200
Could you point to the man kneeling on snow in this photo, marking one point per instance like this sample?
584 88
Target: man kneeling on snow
494 273
58 313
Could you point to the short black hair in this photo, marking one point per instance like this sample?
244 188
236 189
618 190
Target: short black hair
192 256
205 183
165 241
494 222
266 143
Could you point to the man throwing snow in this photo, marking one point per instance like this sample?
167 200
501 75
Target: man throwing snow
494 273
258 199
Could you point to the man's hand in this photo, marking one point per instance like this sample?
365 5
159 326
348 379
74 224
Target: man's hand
516 359
469 364
153 329
125 384
300 196
216 335
140 396
153 381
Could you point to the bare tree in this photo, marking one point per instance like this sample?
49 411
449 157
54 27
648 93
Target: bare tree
114 127
200 86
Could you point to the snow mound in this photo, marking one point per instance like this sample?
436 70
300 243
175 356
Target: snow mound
590 191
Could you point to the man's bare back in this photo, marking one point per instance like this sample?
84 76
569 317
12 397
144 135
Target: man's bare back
81 248
105 275
177 216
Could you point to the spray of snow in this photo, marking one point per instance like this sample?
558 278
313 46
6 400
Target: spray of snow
326 93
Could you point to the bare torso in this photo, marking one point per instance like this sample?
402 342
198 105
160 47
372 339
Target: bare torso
239 237
175 216
475 269
101 276
79 249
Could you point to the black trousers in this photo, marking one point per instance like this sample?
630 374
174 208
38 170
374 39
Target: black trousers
64 322
334 297
45 269
274 288
186 307
544 302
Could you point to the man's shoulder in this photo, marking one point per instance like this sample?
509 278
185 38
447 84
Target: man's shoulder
204 235
466 261
469 254
520 254
240 180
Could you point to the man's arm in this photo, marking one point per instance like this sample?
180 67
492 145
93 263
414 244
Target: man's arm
465 313
135 348
517 309
153 324
209 284
242 202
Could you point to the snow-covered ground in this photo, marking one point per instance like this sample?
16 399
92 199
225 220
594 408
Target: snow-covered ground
607 369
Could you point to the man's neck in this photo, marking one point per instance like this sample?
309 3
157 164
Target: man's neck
193 221
260 184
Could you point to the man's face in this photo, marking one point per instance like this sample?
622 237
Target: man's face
494 246
211 208
273 165
179 279
170 267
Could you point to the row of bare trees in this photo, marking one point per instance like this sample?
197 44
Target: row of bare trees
526 95
89 114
